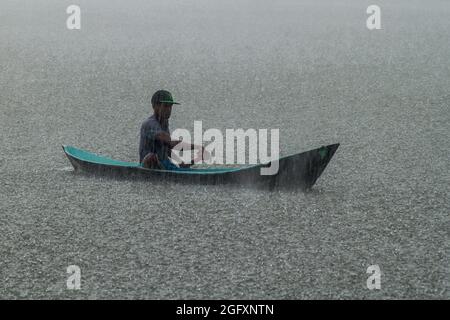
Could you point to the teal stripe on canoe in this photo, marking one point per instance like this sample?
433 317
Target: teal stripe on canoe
94 158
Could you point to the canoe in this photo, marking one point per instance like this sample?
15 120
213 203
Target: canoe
299 170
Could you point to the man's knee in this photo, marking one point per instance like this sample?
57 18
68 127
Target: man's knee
151 161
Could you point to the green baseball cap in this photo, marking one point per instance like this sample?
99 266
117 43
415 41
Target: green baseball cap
163 96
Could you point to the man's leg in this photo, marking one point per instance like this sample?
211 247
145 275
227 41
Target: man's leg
169 165
151 161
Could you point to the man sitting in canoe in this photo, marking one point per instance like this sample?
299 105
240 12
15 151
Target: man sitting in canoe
155 145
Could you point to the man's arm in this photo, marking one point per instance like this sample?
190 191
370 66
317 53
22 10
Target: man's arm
179 161
165 138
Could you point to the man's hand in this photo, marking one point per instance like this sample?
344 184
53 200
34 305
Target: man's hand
206 154
202 154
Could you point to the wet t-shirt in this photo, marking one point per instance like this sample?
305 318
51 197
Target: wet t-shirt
148 143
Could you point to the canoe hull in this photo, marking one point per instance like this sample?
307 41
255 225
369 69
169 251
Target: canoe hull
296 171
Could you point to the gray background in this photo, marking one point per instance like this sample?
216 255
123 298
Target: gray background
309 68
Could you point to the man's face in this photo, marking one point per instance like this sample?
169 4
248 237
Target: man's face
163 110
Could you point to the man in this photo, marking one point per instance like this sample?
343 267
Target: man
155 145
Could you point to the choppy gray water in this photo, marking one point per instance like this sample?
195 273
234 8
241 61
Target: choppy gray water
310 68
